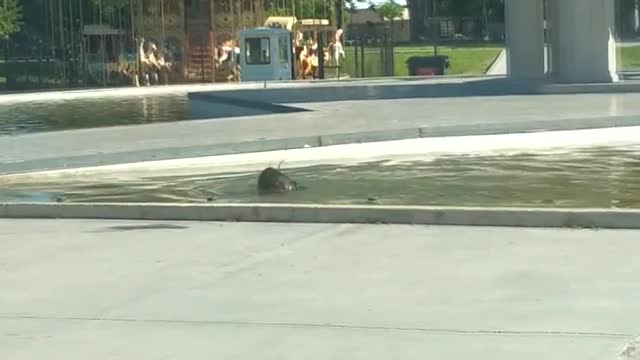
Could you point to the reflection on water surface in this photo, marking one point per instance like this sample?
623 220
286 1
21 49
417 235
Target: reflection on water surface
588 177
51 115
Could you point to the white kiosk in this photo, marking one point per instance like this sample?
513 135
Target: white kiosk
265 54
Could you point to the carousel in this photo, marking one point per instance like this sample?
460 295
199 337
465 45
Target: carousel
294 47
195 35
290 49
147 42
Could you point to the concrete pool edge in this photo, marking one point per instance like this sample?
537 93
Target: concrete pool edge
355 214
313 141
460 86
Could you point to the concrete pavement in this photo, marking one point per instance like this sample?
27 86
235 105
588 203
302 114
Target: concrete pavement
202 290
329 123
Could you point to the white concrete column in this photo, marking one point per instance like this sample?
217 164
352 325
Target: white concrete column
525 38
582 40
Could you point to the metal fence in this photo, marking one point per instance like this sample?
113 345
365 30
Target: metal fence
370 56
26 66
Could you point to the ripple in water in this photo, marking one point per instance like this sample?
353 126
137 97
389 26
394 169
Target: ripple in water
590 177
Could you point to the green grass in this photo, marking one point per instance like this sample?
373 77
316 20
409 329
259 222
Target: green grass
630 57
467 60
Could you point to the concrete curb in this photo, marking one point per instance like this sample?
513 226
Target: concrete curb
488 85
499 62
419 215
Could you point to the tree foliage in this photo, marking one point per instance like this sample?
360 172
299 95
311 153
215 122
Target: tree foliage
389 10
10 17
307 9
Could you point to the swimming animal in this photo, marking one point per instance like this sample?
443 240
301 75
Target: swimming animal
274 181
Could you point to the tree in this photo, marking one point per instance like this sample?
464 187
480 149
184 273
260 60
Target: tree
307 8
389 10
10 17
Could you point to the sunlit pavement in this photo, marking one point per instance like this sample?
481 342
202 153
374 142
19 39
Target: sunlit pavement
178 290
431 117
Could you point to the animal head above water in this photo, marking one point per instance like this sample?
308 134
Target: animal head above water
274 181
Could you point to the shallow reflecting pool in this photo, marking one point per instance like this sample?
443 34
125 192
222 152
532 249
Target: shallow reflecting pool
587 177
49 115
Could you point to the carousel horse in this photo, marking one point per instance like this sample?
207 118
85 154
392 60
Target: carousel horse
129 70
163 66
227 58
337 50
299 52
147 64
225 52
152 62
310 62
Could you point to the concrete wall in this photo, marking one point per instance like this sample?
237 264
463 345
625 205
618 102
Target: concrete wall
581 40
525 38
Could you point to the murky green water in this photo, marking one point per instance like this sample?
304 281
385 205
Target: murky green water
590 177
50 115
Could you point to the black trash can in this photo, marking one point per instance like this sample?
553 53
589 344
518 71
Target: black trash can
428 65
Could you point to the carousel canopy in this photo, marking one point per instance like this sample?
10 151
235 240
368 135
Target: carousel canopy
283 22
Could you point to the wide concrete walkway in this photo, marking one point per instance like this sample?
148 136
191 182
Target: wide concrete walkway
328 123
142 290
